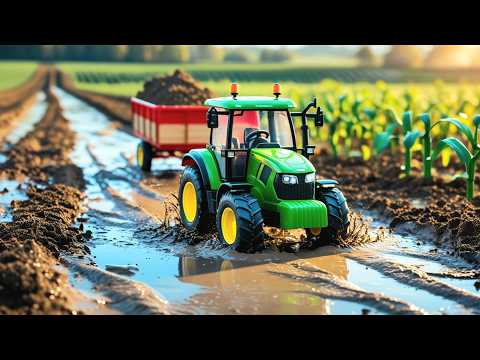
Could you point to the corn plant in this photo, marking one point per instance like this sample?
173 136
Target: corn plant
383 140
468 159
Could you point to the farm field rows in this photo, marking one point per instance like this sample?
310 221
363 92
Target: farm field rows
410 248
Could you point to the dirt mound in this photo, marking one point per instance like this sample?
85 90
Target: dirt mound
29 282
177 89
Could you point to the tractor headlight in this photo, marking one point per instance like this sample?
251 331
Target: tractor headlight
310 178
289 179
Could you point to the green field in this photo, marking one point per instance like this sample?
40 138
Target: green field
14 73
73 67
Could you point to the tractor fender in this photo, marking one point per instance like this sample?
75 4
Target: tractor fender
232 188
193 158
325 184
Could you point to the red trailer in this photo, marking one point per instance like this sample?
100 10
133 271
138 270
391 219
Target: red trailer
166 129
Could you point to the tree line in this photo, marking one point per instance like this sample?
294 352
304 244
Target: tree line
141 53
410 56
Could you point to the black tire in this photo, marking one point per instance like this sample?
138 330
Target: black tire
203 221
249 221
146 163
338 221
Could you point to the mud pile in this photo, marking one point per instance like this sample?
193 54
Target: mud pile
440 204
29 249
177 89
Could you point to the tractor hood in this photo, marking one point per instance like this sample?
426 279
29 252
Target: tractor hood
283 161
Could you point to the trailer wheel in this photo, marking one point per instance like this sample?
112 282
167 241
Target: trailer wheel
338 222
192 201
240 222
144 156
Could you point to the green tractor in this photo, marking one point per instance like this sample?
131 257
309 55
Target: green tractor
253 173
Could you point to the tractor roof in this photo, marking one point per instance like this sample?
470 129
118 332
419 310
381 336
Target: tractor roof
251 102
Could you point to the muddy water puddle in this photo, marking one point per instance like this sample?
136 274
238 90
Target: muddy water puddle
125 205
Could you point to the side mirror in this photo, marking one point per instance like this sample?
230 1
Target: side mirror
212 119
319 117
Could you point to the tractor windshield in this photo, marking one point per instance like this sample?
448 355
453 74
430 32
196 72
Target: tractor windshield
275 123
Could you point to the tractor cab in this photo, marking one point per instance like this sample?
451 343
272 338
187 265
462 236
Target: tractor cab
240 124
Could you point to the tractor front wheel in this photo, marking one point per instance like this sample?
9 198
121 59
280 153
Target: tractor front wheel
192 201
144 156
240 222
338 221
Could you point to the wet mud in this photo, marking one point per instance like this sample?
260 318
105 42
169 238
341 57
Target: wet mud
439 205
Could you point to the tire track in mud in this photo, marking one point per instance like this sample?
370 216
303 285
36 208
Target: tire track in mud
412 276
333 287
126 295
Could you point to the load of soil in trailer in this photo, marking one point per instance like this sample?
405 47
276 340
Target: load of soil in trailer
177 89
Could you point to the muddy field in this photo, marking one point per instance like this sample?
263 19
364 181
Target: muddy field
83 231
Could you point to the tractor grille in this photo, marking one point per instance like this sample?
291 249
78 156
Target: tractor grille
300 191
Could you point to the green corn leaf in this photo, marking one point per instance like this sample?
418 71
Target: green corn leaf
476 156
391 128
464 129
371 114
476 120
381 142
392 116
355 107
425 118
457 146
410 138
407 121
329 105
463 175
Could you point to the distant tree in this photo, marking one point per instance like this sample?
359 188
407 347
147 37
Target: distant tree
47 52
174 54
366 56
275 55
207 53
403 56
114 52
444 56
136 53
238 56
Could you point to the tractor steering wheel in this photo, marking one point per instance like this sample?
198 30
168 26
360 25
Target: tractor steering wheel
250 138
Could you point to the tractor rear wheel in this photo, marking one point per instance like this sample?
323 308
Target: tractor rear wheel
192 201
240 222
338 221
144 156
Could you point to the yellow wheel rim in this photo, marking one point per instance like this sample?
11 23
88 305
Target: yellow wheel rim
140 156
189 201
316 231
229 226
